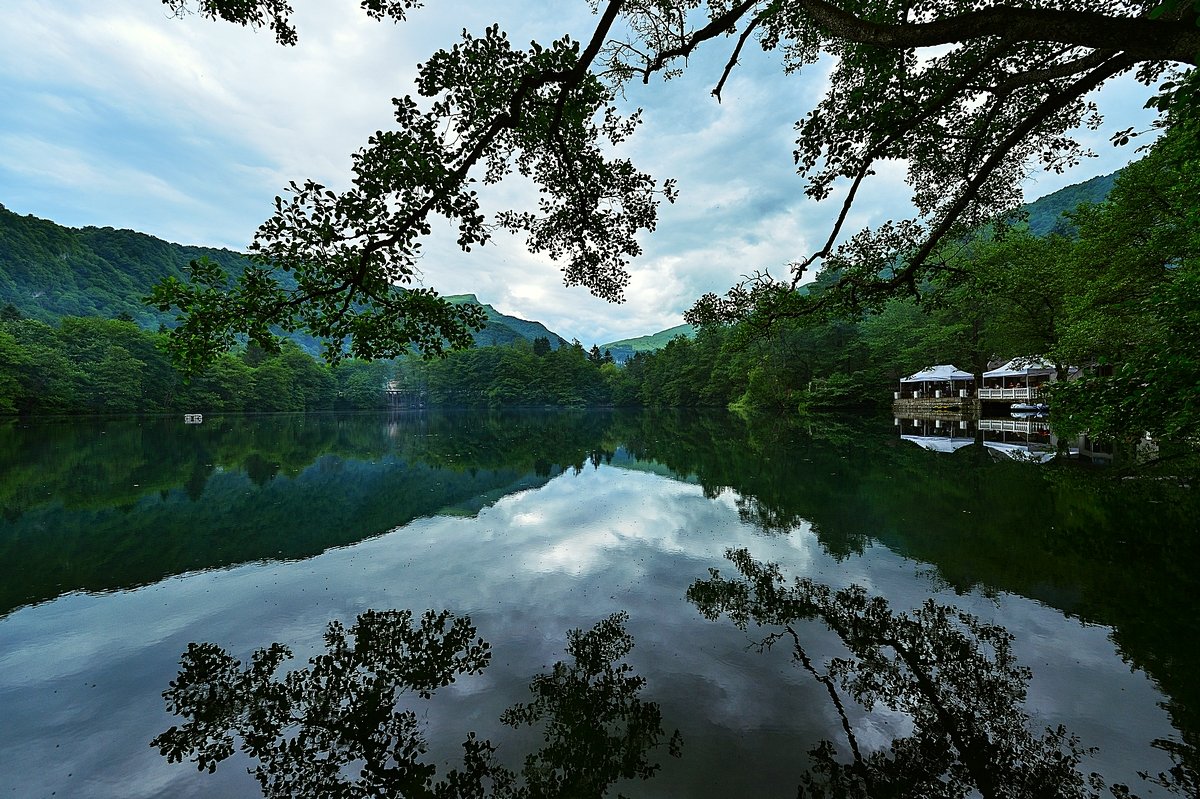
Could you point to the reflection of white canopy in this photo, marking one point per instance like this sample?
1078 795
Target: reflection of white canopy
1022 367
939 443
945 371
1021 452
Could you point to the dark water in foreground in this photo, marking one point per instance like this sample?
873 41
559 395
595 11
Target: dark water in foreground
121 542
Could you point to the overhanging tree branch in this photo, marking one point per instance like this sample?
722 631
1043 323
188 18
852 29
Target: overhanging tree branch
1142 38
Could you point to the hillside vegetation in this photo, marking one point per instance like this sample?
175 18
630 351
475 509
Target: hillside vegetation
48 272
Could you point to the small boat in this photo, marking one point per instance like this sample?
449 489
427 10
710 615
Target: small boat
1025 406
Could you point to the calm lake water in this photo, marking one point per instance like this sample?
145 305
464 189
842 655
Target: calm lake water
123 541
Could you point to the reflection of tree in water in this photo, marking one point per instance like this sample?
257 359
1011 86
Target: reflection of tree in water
954 676
334 728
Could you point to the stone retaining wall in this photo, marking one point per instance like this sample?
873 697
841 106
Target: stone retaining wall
931 408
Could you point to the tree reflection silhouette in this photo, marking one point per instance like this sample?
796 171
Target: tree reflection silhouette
334 729
953 675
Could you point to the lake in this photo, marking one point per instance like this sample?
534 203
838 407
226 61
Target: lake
124 541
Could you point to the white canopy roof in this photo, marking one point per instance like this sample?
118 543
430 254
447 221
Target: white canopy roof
939 443
1020 367
941 372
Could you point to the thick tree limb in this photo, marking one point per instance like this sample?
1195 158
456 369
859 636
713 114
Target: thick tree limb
1141 38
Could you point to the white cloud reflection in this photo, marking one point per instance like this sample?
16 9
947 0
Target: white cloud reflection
526 569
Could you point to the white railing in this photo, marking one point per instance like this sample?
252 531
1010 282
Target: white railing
945 394
1010 393
1014 426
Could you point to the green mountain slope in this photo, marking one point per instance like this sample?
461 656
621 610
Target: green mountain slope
624 349
505 329
1046 214
48 271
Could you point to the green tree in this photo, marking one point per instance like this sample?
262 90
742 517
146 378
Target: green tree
117 382
12 363
1133 315
1005 91
361 384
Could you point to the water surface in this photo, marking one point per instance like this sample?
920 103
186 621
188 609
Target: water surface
122 541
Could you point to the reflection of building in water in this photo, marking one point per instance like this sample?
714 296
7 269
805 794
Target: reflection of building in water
1032 427
937 434
1019 439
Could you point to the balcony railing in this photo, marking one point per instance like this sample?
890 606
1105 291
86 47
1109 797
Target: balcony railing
1027 426
1033 392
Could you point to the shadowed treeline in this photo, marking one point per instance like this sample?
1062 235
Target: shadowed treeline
111 504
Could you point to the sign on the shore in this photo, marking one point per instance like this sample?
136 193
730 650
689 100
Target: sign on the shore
193 418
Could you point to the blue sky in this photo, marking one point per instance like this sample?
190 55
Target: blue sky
113 113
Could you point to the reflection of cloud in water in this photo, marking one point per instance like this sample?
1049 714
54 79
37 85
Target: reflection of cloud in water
526 569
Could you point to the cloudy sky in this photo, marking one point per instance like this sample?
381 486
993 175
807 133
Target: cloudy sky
116 114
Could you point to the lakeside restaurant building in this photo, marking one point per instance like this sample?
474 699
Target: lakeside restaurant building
937 382
1019 380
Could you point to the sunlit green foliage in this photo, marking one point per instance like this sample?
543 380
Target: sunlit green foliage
92 365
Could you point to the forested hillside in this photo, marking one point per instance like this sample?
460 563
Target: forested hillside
1049 214
48 271
624 349
505 329
1020 294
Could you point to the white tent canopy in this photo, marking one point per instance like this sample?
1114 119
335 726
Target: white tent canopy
939 443
1022 367
941 372
1022 452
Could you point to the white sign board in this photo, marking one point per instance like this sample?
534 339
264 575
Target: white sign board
193 418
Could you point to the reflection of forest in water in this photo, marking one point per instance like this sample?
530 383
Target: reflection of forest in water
99 505
341 726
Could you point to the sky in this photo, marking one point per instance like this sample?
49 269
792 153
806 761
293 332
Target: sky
116 114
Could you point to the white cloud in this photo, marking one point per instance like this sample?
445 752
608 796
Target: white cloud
69 168
186 129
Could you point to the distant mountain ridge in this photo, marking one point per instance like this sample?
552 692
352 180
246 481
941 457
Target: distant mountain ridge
624 349
48 271
1048 214
504 329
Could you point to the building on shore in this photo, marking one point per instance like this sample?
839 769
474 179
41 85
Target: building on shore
1020 380
941 388
944 381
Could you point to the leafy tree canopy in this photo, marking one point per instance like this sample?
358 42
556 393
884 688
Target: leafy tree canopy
1003 90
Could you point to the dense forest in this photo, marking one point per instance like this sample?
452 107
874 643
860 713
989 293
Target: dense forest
91 365
1114 289
1111 286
